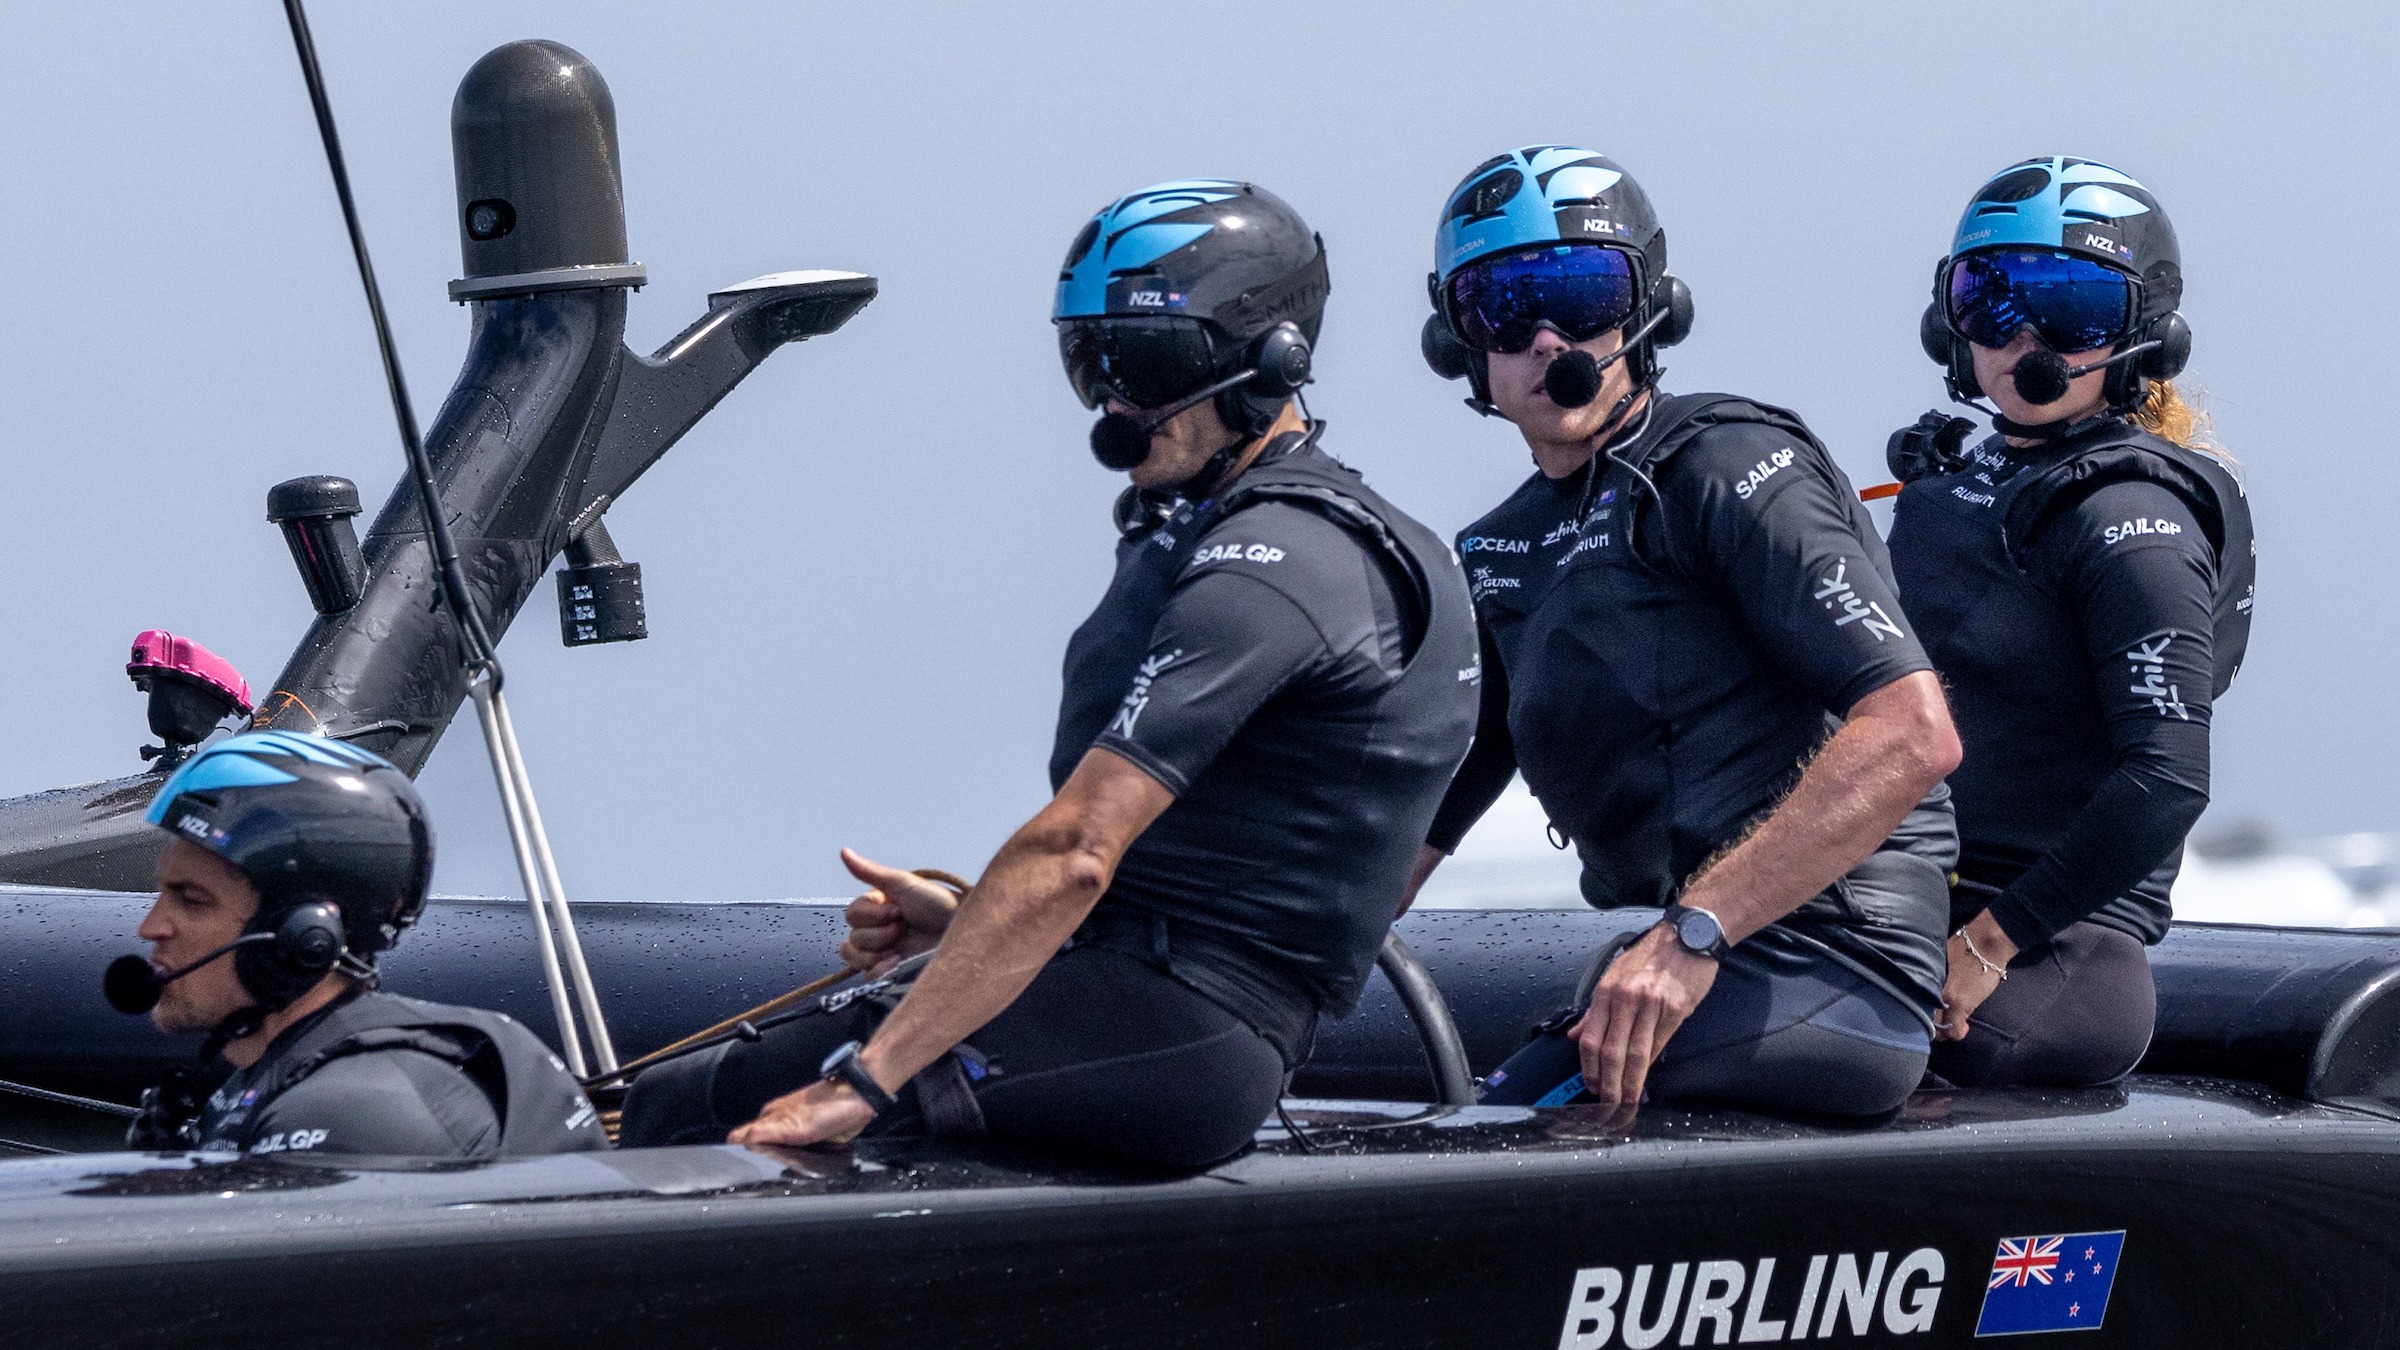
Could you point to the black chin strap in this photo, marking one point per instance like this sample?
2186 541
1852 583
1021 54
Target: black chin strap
2044 432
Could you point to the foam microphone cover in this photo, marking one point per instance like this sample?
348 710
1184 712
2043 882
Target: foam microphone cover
131 986
1119 442
1573 380
2041 377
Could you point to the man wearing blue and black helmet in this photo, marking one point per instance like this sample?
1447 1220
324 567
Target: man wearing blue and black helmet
1258 722
1693 653
2084 580
294 861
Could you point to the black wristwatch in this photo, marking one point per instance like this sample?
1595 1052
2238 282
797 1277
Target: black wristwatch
1698 930
842 1067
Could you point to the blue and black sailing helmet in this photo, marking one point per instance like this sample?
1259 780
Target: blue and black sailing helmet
1183 285
309 821
2077 251
1552 235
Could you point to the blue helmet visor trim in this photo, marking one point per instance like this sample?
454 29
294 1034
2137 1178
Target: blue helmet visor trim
2072 304
1583 290
1140 362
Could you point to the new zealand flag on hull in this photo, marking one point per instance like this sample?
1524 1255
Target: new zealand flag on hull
2054 1283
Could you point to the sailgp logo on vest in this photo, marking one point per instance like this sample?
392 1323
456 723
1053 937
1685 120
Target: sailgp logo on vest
1839 597
1138 697
2149 662
1762 471
1603 1304
2132 528
1257 553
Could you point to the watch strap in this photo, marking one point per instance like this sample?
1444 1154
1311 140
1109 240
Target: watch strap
842 1067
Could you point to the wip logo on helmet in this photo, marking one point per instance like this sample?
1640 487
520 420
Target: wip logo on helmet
1732 1301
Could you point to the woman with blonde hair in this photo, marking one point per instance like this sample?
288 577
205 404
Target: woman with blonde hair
2082 582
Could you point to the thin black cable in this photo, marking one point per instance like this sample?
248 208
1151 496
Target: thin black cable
22 1147
481 651
68 1099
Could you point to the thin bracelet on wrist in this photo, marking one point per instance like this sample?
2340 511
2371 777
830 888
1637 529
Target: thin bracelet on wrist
1980 958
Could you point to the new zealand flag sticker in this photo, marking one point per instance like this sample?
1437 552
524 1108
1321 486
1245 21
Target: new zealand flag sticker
2054 1283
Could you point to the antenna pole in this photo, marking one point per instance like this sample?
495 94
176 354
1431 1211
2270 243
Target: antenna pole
545 895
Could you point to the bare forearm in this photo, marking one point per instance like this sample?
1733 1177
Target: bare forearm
1897 744
1032 897
1428 858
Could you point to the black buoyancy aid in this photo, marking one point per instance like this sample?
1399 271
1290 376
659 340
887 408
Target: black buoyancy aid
1438 643
540 1107
2022 689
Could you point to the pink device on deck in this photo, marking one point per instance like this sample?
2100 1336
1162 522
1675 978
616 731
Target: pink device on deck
159 652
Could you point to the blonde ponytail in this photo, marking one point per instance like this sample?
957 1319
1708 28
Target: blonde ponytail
2165 413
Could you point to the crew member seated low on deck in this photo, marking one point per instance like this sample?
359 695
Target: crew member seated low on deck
1258 723
301 858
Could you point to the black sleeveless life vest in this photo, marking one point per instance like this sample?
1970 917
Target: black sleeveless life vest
1423 721
541 1109
1653 725
2022 688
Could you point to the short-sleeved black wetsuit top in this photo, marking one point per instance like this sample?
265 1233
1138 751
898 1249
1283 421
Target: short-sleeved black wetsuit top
380 1074
2085 602
1295 661
1668 636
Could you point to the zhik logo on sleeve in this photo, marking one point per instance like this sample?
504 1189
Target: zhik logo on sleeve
1138 697
1835 589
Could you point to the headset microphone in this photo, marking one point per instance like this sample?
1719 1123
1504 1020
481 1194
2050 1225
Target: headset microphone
132 985
2042 375
309 940
1121 441
1573 379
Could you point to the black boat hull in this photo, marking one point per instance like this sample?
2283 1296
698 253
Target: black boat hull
2248 1220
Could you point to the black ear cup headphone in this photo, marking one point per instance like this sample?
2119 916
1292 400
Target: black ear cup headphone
2158 350
1274 366
1663 321
276 965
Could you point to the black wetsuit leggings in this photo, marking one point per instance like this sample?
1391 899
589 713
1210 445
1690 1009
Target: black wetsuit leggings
1101 1051
1784 1028
2076 1011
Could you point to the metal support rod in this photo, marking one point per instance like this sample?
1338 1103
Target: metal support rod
570 1043
1445 1053
586 994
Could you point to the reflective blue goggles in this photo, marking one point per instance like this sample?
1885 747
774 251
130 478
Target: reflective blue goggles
2072 304
1582 290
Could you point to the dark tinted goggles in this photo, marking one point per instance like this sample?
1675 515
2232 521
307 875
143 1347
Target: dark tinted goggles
1146 362
2072 304
1582 290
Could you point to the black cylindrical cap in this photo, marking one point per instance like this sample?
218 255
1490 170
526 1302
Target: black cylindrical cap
534 135
312 498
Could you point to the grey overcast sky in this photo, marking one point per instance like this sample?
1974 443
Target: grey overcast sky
863 566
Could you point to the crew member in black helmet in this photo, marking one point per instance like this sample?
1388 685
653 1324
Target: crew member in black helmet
1693 653
2083 581
1258 722
301 858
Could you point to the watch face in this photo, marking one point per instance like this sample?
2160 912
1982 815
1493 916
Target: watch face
1698 931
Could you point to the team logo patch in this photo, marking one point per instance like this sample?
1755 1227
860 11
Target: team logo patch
2055 1283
